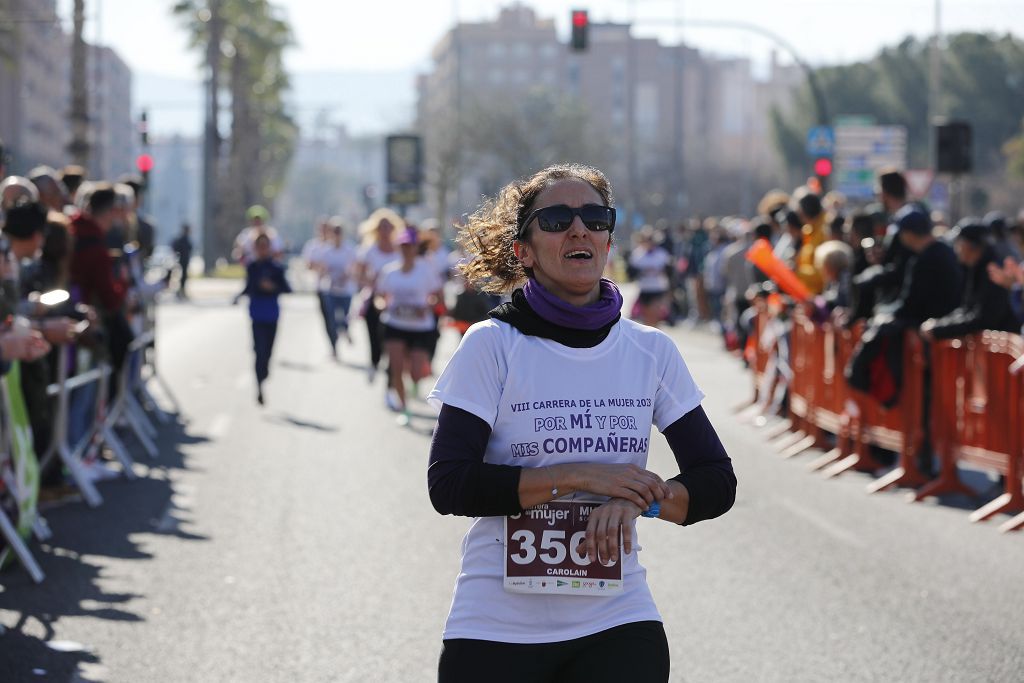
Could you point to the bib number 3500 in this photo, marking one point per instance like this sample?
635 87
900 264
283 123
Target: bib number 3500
541 554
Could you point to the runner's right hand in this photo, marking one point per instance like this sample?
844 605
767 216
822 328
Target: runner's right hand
635 484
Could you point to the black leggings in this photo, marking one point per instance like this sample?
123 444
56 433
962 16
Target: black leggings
636 652
374 330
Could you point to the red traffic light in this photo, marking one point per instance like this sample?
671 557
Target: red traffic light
144 162
823 167
579 17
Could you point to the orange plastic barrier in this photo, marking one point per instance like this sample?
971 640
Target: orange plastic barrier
977 416
758 352
806 360
977 409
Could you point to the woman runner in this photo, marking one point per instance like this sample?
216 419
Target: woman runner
378 250
545 405
264 282
410 288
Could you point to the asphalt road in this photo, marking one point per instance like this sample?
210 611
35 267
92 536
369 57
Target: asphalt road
295 542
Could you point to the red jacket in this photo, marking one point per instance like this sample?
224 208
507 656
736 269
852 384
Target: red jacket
92 269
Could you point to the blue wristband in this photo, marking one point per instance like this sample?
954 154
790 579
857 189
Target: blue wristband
653 511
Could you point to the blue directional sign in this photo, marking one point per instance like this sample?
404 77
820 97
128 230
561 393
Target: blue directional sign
821 141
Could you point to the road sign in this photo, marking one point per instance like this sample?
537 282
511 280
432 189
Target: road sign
821 141
861 151
919 180
404 169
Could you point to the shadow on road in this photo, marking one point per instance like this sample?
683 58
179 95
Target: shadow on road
298 422
73 585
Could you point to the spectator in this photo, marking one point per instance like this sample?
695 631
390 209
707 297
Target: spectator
931 289
182 246
1004 245
714 273
145 230
739 275
16 190
52 194
788 244
92 269
984 305
812 217
883 282
834 260
72 176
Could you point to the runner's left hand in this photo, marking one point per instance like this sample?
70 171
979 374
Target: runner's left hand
602 541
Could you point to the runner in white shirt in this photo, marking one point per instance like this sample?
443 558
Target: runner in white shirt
650 261
312 256
410 289
377 251
244 250
543 433
336 282
434 251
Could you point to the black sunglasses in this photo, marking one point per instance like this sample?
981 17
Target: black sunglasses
559 217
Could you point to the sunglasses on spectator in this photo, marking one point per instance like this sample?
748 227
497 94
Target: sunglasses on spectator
559 217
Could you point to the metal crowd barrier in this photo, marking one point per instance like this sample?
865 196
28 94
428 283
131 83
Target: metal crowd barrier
128 409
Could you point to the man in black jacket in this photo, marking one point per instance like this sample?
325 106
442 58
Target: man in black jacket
932 278
984 305
931 289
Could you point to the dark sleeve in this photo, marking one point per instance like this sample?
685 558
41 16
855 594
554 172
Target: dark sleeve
459 481
959 323
705 467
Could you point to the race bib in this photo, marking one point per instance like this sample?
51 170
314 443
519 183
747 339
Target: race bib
540 552
404 312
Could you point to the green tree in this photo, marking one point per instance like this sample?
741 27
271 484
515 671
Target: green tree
248 61
983 83
1014 151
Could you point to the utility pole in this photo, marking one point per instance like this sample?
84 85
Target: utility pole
211 136
935 110
78 148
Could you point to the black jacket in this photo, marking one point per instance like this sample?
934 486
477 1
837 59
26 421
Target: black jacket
984 305
931 286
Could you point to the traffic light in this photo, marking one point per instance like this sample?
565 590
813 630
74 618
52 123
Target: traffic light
953 147
144 162
144 128
822 170
823 167
580 28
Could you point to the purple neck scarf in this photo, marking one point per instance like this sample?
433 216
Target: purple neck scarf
593 316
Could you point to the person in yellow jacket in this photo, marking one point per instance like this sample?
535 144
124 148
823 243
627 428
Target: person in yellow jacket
813 216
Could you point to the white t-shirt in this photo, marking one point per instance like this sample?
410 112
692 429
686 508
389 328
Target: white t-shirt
651 266
604 400
438 259
312 249
246 242
408 296
337 263
375 260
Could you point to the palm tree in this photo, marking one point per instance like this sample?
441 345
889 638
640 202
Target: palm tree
244 42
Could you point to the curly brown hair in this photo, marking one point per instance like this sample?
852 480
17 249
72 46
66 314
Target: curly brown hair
488 236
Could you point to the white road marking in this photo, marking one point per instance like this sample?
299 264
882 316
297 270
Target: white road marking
244 381
833 530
